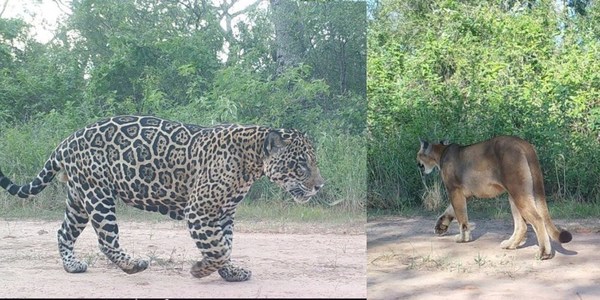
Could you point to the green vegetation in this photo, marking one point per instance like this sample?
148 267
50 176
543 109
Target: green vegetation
470 70
175 60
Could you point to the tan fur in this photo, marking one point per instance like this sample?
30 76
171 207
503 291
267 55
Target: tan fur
63 177
486 170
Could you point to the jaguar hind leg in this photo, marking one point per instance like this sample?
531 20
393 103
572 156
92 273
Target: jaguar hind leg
104 221
76 218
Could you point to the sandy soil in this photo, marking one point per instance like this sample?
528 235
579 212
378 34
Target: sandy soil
406 260
284 263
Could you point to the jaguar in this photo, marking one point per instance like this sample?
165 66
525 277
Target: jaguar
185 171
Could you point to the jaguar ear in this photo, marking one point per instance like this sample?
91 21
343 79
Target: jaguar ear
274 143
445 142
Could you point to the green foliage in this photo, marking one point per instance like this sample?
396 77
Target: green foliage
287 100
468 71
332 38
33 78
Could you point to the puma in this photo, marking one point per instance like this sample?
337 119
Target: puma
486 170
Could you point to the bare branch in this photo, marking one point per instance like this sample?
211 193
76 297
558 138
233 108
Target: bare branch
4 8
63 7
247 9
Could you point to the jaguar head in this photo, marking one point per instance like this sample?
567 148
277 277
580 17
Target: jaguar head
291 163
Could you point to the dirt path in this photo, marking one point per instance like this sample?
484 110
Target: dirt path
407 261
283 265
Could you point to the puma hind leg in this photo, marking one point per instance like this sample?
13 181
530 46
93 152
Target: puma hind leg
529 212
519 235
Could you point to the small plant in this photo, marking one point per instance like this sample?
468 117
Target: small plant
90 258
480 260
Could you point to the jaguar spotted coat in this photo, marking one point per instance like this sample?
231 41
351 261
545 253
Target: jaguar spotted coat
189 172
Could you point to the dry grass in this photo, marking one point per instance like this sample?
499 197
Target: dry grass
433 196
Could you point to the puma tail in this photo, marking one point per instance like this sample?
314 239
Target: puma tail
557 234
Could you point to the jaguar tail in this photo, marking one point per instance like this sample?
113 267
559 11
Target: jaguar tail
42 180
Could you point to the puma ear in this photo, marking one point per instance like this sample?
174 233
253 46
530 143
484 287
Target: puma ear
274 143
425 146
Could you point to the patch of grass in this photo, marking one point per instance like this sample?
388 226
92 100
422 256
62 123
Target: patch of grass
386 257
284 211
285 217
48 205
427 262
566 209
175 262
496 208
433 196
343 164
91 258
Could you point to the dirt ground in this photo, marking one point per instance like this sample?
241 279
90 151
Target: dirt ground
406 260
286 262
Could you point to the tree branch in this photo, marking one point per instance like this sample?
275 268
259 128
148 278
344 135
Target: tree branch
4 8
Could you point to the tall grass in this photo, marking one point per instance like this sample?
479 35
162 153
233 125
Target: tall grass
393 176
25 148
343 161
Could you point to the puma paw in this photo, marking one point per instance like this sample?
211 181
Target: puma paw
440 228
463 237
511 245
506 244
543 255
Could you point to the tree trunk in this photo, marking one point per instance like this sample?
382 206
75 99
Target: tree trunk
289 34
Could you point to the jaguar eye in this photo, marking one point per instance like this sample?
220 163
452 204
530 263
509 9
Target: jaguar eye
301 170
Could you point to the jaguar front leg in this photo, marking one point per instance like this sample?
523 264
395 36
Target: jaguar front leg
229 271
210 239
214 237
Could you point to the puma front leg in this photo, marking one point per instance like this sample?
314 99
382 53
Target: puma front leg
459 205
